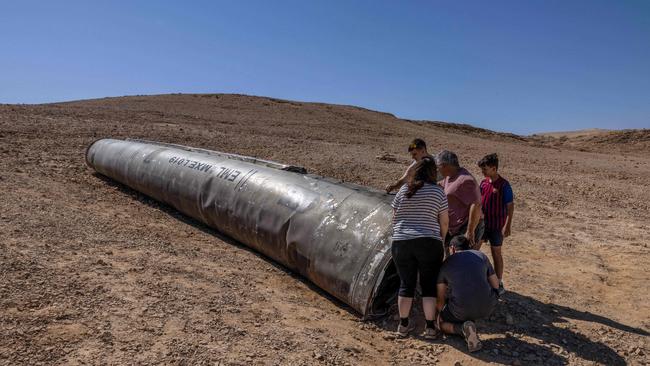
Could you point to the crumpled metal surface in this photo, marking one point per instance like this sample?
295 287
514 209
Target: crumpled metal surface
335 234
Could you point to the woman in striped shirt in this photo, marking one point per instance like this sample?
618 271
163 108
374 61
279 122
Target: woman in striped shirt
420 222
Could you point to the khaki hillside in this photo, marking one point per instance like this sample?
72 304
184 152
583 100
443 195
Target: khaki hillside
93 270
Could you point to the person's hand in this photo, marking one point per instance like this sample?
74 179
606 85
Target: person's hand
389 188
506 231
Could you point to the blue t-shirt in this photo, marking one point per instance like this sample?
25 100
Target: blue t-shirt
470 295
417 217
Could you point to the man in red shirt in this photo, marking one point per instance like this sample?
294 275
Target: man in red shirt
497 203
464 200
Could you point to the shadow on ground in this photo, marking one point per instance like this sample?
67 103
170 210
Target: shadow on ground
524 329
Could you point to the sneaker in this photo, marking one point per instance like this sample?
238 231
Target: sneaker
403 331
502 289
431 333
471 337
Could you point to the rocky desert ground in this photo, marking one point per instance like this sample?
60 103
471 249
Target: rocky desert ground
92 272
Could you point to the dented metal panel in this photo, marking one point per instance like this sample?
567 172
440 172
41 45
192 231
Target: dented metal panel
335 234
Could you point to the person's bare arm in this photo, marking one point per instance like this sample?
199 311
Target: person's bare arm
494 281
511 212
472 196
405 177
398 183
474 218
443 220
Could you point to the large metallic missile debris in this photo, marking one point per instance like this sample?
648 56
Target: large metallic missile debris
335 234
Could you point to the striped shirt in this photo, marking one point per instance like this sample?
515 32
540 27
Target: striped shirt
495 197
417 217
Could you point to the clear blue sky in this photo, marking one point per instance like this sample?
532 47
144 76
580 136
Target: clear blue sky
521 66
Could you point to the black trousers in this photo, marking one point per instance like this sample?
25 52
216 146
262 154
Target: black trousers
418 256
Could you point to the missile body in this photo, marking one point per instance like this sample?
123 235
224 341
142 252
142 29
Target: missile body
337 235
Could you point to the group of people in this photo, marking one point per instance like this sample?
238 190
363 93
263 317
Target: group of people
438 230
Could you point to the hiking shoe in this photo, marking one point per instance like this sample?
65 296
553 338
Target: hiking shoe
502 289
471 337
431 333
403 331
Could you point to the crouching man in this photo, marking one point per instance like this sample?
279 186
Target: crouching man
467 290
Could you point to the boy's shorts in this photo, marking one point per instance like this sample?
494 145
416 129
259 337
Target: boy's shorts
495 237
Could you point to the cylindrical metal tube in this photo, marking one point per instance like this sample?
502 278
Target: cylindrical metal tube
335 234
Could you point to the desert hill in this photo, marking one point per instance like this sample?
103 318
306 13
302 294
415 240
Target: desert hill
93 272
631 141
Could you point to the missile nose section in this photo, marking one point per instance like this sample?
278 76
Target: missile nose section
335 234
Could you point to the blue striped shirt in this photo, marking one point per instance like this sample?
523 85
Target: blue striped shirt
417 217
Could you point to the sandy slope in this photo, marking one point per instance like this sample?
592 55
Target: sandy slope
635 142
577 133
93 272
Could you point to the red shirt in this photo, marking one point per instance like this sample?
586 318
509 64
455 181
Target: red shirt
461 190
495 196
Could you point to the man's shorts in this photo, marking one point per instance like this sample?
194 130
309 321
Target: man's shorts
495 237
